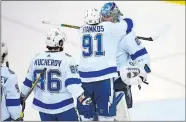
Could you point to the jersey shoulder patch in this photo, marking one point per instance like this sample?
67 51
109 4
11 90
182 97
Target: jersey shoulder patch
68 55
138 42
11 72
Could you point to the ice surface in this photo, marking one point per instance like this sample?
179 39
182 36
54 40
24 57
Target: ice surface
163 99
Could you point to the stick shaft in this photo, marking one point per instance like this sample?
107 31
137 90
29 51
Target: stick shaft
77 27
35 83
154 37
70 26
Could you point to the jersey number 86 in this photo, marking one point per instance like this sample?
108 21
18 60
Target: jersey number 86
53 84
51 79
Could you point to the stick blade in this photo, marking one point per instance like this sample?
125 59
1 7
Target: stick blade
45 22
160 32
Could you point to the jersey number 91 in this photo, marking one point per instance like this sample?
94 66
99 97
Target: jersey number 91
53 84
87 44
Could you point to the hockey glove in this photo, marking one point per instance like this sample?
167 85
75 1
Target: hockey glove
86 106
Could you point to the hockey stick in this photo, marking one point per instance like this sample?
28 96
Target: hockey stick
152 38
34 84
77 27
79 117
29 92
62 25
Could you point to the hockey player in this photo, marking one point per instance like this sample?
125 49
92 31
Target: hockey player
133 63
98 66
124 55
53 96
11 108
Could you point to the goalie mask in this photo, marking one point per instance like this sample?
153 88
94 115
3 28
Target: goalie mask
4 52
55 38
111 10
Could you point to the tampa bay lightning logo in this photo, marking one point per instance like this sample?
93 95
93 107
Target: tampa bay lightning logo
138 42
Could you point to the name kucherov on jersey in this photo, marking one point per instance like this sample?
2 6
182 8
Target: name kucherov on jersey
47 62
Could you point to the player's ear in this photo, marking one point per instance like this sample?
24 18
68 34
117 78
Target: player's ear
61 43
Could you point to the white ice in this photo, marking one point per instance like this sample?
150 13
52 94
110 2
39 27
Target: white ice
163 99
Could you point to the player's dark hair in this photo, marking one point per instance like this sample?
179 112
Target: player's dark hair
3 57
94 24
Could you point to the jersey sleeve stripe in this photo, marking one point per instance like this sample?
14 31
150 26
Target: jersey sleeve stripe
12 102
139 53
98 73
129 25
28 83
58 105
71 81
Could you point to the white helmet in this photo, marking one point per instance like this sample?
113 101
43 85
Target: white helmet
92 16
55 38
4 52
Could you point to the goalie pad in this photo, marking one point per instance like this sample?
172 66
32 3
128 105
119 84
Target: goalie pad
119 85
122 113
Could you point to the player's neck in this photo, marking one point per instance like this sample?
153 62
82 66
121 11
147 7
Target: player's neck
108 19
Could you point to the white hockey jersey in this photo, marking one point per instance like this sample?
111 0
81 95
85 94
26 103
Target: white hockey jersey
99 47
130 49
10 95
53 94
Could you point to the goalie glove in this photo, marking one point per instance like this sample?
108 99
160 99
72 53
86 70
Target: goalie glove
134 75
128 72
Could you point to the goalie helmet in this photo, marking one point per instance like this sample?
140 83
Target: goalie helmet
55 38
4 52
111 10
92 16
